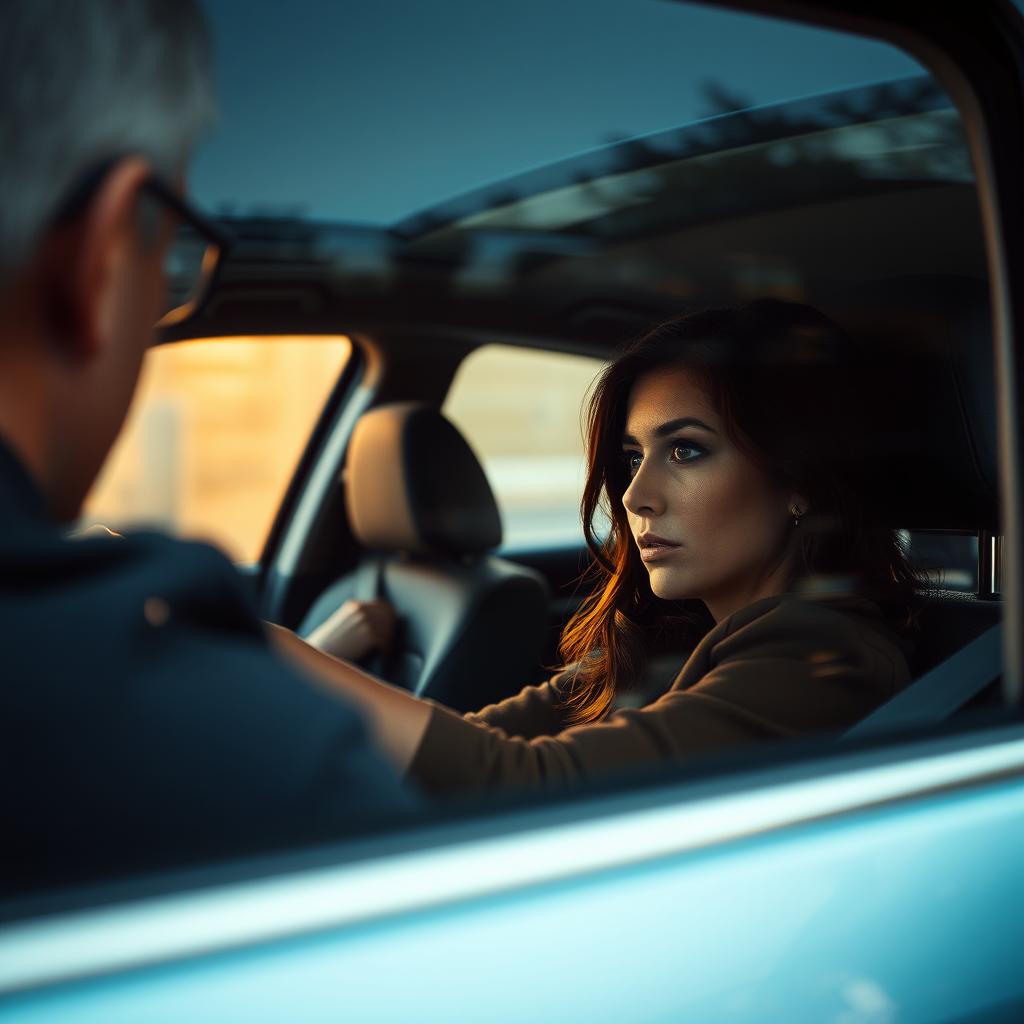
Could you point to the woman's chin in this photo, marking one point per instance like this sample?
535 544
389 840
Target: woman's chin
667 585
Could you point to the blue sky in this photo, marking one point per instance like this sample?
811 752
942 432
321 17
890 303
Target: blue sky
369 111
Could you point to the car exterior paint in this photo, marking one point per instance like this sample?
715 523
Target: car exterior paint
867 892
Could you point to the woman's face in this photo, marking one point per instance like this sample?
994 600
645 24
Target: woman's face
709 523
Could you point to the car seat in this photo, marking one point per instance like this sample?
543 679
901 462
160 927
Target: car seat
471 625
931 449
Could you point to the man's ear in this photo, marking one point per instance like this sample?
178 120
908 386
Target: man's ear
82 261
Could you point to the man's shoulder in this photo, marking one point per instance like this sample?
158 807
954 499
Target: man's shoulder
145 552
128 625
112 624
111 584
99 551
139 689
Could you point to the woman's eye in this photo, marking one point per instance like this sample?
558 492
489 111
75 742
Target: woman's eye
686 452
633 460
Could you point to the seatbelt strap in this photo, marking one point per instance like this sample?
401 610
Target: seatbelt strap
943 690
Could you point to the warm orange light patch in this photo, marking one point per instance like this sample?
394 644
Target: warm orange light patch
214 435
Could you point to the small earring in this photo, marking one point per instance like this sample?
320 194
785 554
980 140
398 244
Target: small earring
796 511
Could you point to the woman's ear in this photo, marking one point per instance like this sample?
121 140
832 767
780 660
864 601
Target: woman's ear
797 504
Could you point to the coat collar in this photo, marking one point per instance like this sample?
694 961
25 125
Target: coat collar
21 500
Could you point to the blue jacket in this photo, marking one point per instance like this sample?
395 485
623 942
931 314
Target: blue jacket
144 720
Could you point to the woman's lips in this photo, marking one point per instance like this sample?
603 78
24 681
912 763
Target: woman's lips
653 547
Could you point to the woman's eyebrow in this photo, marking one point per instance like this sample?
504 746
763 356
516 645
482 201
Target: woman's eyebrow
671 427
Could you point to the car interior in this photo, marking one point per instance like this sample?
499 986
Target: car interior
395 503
426 523
424 515
390 500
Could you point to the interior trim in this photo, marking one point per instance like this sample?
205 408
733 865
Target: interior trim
325 471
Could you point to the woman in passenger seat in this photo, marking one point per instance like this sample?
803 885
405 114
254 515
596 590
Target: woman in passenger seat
724 447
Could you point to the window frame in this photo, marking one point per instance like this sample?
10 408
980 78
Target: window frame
973 68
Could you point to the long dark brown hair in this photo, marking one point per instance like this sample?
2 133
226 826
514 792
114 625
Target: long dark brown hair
783 378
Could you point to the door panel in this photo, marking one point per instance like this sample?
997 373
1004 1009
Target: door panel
871 915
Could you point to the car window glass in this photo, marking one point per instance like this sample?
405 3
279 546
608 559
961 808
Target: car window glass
213 437
520 409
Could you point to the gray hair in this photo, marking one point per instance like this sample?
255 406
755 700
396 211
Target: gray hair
82 81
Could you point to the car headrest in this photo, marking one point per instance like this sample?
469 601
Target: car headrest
927 371
413 484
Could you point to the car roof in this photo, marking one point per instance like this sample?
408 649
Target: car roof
586 251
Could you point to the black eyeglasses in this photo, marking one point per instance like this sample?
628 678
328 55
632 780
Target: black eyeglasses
194 255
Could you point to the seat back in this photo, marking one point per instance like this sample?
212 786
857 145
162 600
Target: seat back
947 621
929 447
471 625
929 373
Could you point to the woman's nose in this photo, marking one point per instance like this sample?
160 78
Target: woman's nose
643 496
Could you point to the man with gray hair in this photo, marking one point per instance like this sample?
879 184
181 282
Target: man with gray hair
145 721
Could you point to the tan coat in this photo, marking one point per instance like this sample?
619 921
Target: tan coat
787 665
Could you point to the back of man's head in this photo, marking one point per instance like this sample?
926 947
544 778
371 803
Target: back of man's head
85 81
97 98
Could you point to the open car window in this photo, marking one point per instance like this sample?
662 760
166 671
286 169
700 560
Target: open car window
490 208
846 184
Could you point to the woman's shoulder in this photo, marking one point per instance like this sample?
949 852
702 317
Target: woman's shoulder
794 609
809 628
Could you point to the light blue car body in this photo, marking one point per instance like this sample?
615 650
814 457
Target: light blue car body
879 886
